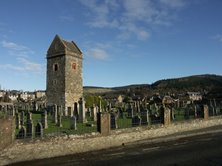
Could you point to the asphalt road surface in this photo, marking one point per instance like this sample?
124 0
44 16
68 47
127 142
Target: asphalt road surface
205 149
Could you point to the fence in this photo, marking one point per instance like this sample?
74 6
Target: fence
41 124
46 124
126 120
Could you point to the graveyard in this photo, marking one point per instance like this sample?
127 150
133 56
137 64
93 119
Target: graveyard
55 121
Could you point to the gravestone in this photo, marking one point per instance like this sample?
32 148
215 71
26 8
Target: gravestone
136 121
76 110
35 106
64 111
81 111
94 113
60 110
29 116
59 122
173 116
144 117
22 133
137 107
13 110
73 123
55 114
29 129
44 120
100 106
17 121
195 111
70 112
130 112
39 130
113 121
22 118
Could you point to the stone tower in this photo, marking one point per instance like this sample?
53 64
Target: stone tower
64 73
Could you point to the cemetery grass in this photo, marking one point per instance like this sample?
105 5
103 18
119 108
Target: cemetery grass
54 130
180 115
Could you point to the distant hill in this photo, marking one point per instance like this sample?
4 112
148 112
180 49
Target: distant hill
191 83
96 90
201 83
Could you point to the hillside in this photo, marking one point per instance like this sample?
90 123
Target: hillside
191 83
202 83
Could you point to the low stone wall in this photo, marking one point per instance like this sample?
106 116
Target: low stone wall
37 149
7 131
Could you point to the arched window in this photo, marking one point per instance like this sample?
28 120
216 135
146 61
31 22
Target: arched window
55 67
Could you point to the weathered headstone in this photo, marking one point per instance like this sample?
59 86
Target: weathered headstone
29 129
35 106
70 112
39 130
55 114
65 111
113 121
44 120
22 118
73 123
22 133
94 113
144 117
130 112
195 111
60 110
136 121
59 122
100 106
82 111
13 111
29 116
76 110
138 107
17 121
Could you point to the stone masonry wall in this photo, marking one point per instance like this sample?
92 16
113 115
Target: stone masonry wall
7 132
81 143
56 81
73 79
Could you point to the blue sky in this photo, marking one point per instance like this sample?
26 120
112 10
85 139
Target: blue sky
123 41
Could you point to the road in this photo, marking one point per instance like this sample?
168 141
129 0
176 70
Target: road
205 149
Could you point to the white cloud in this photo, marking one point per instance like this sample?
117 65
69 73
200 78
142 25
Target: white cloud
132 18
11 67
174 3
16 49
97 53
24 65
13 46
217 37
30 66
66 18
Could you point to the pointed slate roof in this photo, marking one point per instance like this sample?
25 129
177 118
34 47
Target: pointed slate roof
60 46
71 46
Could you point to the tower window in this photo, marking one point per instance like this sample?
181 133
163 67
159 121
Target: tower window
55 67
74 66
